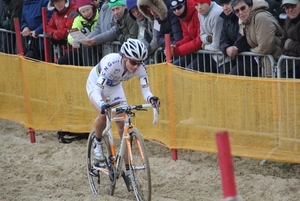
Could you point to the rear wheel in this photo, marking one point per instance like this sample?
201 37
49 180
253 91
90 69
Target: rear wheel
139 167
102 179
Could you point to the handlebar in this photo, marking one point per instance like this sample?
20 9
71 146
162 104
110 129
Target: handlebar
127 110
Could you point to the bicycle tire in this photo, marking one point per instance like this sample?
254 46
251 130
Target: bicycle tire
140 168
102 180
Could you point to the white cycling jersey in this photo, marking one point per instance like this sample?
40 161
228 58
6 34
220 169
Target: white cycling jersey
105 81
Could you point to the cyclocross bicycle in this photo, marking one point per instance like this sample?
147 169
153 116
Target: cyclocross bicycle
103 179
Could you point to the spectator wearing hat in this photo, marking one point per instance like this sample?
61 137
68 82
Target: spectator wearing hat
190 25
165 21
146 33
261 29
59 25
290 41
104 31
85 22
124 26
210 32
232 42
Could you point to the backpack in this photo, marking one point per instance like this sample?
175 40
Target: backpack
67 137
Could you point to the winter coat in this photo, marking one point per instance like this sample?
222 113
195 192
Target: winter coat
126 27
61 22
168 21
104 31
12 9
80 23
211 24
190 26
146 33
291 32
32 15
262 30
230 35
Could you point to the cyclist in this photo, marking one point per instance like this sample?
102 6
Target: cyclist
105 84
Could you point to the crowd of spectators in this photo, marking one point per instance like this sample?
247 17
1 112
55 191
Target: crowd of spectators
267 27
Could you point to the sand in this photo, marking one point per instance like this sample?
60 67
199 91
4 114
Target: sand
50 170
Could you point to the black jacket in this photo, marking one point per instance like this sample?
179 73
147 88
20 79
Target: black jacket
230 35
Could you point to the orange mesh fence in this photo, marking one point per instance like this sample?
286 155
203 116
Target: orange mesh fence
260 114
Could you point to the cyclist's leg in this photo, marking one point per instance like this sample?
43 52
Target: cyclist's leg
100 121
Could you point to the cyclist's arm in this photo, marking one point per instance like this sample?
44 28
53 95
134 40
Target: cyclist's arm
144 82
98 90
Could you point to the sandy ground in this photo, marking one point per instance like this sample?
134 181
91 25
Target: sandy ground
49 170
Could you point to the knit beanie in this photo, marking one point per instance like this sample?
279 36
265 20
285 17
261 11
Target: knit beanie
176 3
113 3
202 1
130 4
84 3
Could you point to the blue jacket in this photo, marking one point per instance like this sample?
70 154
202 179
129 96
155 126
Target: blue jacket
32 15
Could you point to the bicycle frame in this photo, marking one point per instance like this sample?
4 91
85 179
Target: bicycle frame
117 158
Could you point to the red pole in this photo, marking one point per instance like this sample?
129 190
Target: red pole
21 52
46 41
169 59
168 47
18 36
226 165
32 135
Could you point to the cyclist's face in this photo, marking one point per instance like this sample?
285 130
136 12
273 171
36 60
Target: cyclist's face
133 65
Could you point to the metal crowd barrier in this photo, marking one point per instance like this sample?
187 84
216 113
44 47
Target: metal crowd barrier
213 61
8 42
288 67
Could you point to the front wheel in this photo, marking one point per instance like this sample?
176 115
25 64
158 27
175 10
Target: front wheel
102 179
139 167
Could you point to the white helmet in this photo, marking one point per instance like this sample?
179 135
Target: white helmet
134 49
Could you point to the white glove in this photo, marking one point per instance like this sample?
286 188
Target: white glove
75 44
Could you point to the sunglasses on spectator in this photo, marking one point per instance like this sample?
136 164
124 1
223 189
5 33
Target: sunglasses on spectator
291 6
177 8
134 63
236 11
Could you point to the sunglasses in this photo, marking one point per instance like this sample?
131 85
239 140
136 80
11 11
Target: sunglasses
134 63
289 6
236 11
177 8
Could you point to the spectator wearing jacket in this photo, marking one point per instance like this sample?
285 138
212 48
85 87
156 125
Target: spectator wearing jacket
123 26
11 9
190 25
232 43
31 22
59 25
104 31
165 21
290 41
146 33
261 29
210 32
85 22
